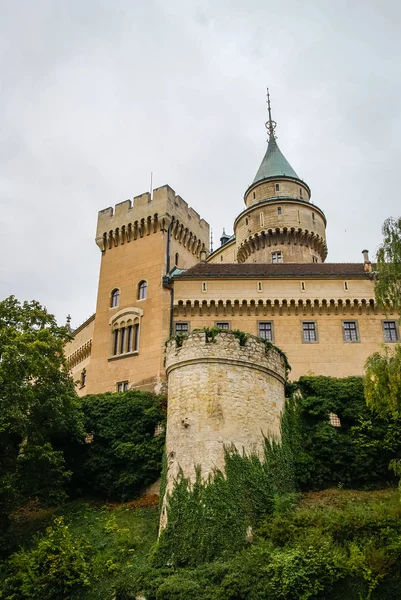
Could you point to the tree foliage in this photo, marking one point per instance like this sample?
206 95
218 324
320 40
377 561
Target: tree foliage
383 381
388 281
38 404
353 455
125 454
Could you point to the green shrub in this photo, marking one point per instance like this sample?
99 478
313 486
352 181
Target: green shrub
357 453
125 455
179 588
51 570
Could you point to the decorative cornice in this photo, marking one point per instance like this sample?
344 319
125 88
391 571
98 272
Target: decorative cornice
280 236
277 306
152 224
79 355
125 313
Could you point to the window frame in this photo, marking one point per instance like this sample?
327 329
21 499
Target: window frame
124 386
259 323
142 285
115 297
125 333
181 323
216 324
309 341
276 253
358 338
396 329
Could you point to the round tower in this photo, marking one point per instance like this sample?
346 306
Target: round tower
279 224
221 391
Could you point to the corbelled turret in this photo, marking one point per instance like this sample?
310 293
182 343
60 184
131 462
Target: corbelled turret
279 224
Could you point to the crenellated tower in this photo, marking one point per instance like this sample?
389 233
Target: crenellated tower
279 224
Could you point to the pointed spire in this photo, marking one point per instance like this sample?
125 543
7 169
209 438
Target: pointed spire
274 163
270 124
224 238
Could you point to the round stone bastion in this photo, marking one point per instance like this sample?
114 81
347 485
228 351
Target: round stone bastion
220 393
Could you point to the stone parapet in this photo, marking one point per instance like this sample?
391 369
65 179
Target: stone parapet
225 348
148 214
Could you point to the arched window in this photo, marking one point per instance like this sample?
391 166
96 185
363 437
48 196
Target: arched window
142 287
177 256
125 327
115 297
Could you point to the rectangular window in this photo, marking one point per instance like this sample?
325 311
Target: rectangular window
277 257
279 210
350 331
277 187
390 331
204 286
266 330
122 340
309 331
129 338
115 342
122 386
223 325
182 327
136 337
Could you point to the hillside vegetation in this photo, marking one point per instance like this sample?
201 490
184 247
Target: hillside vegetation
337 544
75 524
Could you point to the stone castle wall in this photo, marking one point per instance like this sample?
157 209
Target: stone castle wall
219 393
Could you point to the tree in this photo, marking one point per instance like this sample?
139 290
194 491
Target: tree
38 403
383 382
388 280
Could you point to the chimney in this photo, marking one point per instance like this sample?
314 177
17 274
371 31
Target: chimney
203 256
367 265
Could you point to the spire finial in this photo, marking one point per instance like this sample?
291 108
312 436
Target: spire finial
270 125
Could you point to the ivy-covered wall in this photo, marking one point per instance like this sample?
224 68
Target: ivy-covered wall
223 389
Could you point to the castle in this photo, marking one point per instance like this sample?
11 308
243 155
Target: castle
270 279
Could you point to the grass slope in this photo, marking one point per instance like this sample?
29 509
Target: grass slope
336 544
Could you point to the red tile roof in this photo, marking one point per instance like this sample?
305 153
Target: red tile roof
228 270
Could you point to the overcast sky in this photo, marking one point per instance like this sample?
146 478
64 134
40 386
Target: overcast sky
96 94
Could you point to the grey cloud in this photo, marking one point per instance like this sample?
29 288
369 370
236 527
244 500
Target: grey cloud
98 93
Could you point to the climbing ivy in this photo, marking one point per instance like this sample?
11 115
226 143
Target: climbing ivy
212 518
269 347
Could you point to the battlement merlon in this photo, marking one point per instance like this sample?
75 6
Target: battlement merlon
140 214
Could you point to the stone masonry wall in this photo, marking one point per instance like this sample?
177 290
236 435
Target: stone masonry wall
219 394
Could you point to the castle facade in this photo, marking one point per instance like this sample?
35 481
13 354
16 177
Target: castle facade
270 279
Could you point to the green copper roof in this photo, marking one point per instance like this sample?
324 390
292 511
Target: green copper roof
274 163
